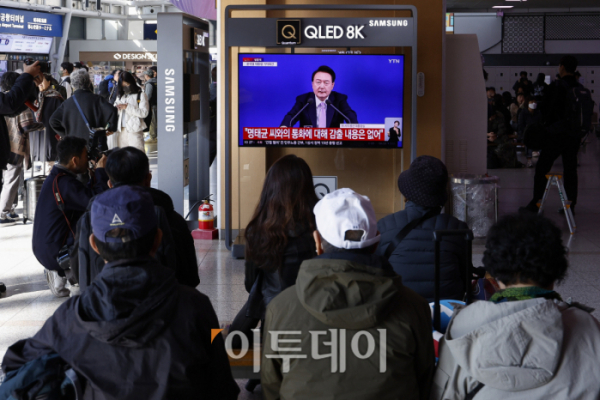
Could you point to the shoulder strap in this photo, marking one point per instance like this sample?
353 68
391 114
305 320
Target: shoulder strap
139 95
405 231
471 395
81 112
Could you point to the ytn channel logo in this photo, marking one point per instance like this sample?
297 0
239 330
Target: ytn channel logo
289 32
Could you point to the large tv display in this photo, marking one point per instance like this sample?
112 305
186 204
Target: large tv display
321 100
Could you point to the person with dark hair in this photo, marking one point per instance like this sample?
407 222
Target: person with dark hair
526 342
523 83
48 101
130 166
345 294
540 87
19 128
424 187
527 118
559 140
133 107
114 90
67 120
135 333
490 92
66 69
326 108
395 133
151 90
278 237
62 201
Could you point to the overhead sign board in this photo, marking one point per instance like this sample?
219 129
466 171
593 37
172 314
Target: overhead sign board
25 44
146 56
30 23
320 32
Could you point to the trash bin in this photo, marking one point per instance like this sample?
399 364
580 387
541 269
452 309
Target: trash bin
475 201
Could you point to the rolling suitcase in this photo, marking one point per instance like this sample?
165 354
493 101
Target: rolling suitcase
33 187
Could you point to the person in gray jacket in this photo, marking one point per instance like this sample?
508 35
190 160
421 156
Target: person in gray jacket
525 343
424 185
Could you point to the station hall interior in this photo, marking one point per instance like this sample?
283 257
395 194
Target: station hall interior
243 123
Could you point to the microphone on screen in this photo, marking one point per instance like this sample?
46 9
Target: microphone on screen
329 103
309 101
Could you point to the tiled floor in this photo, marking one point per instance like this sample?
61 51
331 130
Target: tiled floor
28 302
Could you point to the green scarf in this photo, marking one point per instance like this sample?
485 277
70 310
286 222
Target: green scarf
524 293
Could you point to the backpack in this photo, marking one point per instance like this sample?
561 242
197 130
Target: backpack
62 90
67 79
48 377
579 109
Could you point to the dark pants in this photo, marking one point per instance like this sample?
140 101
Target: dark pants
567 147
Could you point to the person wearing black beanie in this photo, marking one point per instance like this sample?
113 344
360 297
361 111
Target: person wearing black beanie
424 185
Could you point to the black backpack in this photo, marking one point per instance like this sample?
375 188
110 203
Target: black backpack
579 109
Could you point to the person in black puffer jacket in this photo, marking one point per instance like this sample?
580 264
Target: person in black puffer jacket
424 186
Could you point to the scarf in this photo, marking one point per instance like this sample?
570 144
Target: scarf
524 293
48 93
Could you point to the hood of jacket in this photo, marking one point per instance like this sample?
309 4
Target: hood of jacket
346 290
511 346
129 303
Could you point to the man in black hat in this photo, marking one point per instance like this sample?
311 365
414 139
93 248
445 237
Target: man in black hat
424 186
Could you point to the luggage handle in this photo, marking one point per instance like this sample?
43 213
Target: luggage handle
437 238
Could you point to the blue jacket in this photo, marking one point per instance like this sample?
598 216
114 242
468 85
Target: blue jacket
50 228
414 259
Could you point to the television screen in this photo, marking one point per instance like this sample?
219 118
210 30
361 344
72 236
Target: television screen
321 100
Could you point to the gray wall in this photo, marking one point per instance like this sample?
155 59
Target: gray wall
487 27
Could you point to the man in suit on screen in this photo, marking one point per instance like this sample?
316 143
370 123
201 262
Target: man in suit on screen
321 108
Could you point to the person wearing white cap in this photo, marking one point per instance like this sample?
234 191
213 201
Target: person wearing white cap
348 328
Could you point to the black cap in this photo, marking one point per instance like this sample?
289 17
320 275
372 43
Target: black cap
425 182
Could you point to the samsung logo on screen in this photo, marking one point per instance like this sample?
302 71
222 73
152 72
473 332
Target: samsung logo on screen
388 22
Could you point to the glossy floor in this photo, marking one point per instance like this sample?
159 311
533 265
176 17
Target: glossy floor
28 302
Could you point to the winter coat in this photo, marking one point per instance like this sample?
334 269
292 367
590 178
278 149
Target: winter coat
263 285
340 298
136 334
50 230
176 251
10 103
131 119
19 129
414 258
48 102
527 118
520 350
67 119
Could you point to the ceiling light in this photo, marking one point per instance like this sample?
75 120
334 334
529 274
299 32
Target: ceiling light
503 7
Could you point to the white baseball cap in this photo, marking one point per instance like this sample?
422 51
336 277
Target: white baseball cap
345 210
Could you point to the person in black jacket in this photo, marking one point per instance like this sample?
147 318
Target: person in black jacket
13 103
67 120
558 140
318 113
279 237
130 166
424 186
135 333
62 201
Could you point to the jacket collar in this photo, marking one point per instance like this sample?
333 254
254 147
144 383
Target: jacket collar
371 260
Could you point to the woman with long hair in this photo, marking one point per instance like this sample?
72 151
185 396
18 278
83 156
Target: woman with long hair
49 99
279 237
133 107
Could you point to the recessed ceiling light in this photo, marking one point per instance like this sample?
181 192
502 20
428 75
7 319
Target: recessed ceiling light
503 7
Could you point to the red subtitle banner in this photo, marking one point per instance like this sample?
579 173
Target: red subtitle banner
308 134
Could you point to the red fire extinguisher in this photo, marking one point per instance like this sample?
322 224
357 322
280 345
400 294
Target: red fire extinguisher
206 215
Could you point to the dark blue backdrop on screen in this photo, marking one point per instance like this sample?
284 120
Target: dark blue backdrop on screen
374 85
